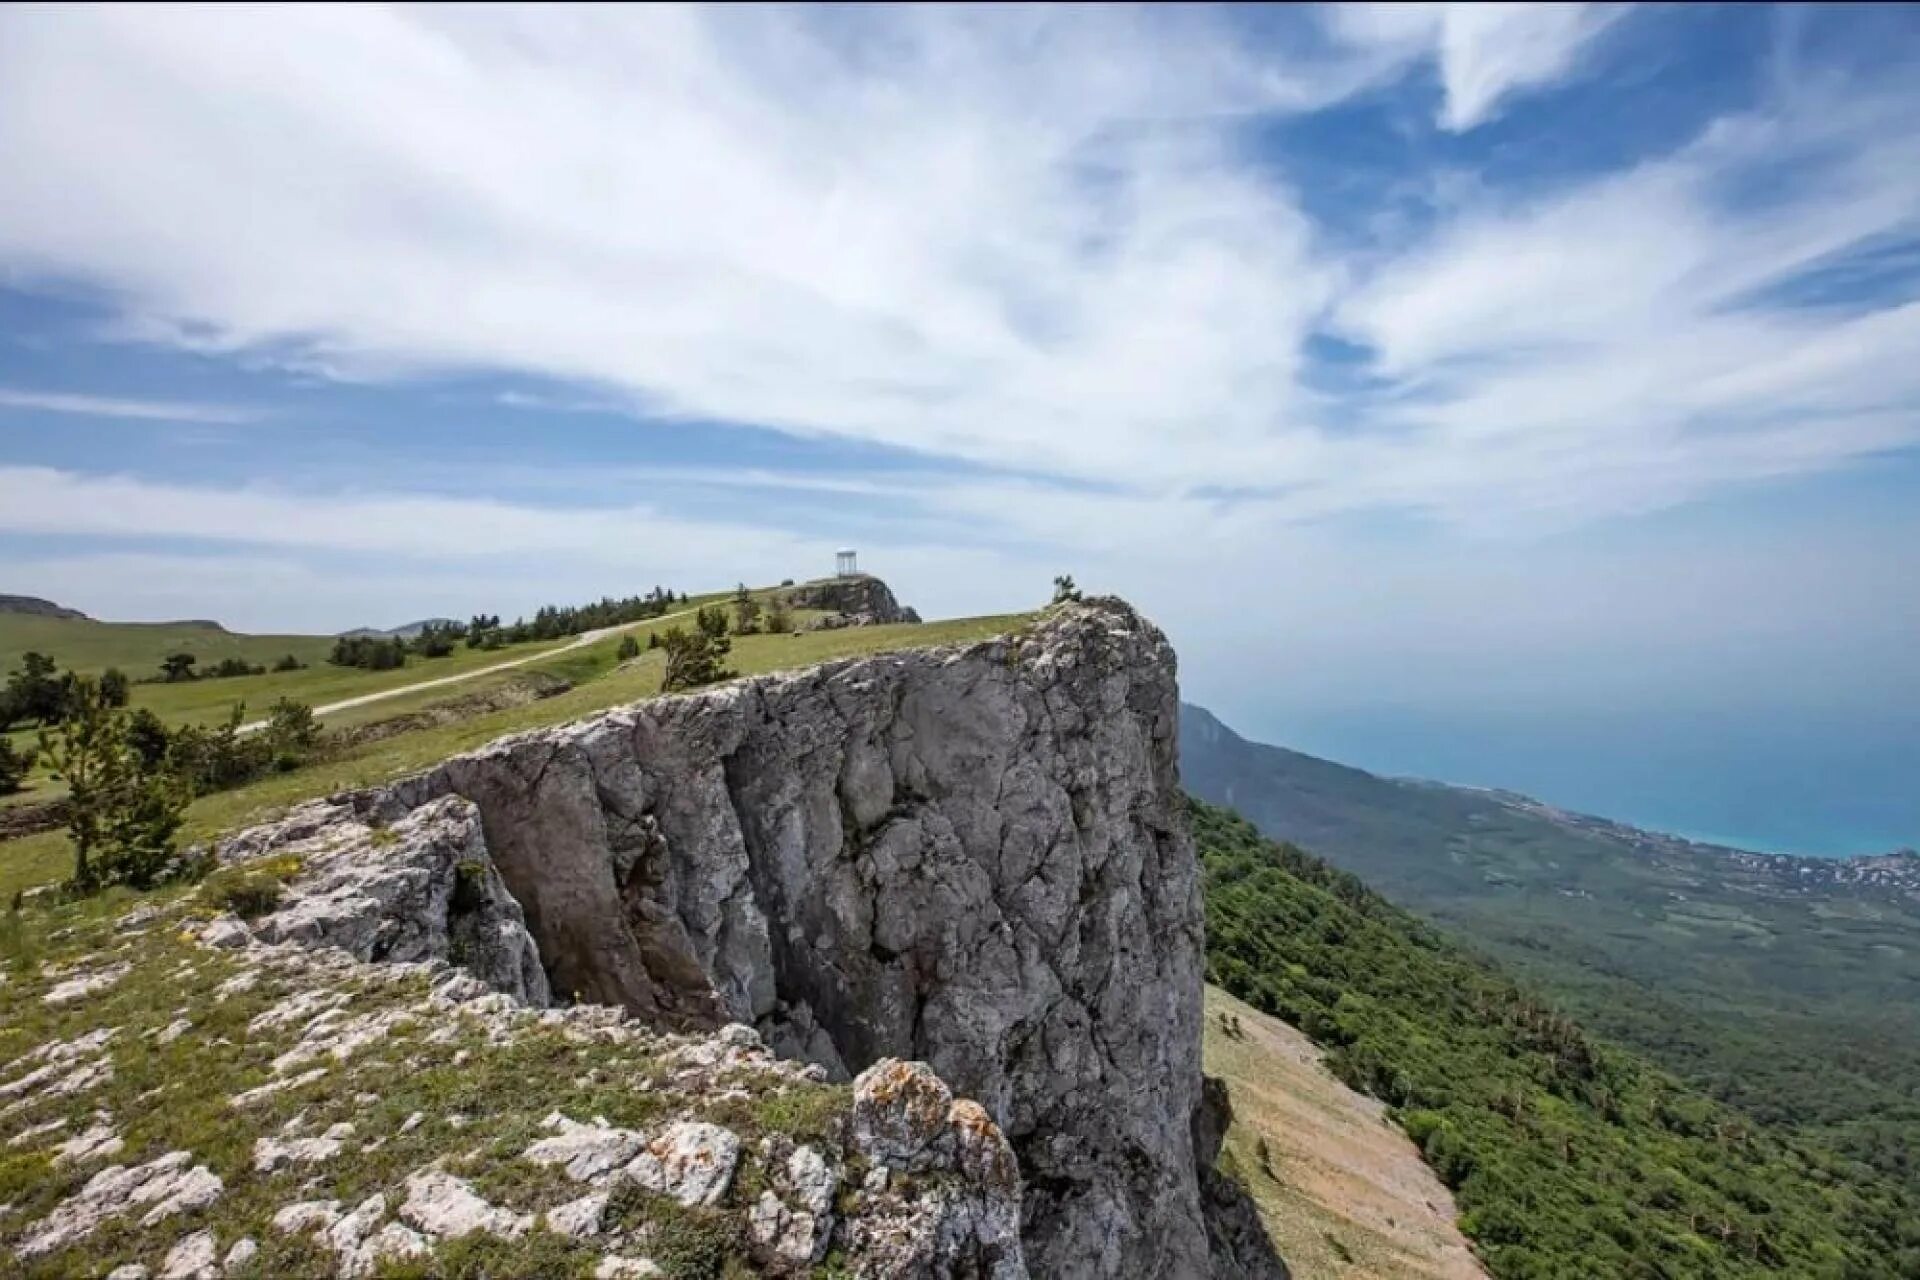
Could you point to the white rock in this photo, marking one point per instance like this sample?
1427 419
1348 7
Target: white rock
617 1268
129 1271
240 1255
87 984
588 1152
389 1243
96 1142
307 1215
443 1205
173 1031
690 1160
167 1185
194 1258
580 1218
412 1122
228 933
25 1136
272 1087
270 1154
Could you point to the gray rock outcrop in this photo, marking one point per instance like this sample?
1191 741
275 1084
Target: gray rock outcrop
973 857
856 600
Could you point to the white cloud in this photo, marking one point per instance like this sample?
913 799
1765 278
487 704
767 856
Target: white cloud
1018 238
89 406
1487 53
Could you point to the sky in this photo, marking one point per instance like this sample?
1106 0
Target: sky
1517 395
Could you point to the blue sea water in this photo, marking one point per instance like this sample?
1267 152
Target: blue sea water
1820 786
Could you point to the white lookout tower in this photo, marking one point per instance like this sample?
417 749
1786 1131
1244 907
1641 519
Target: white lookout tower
843 565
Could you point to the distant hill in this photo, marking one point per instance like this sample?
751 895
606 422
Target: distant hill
1788 986
406 631
34 606
89 646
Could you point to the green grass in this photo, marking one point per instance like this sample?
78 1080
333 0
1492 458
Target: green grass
1567 1156
482 1096
136 648
600 682
1797 1005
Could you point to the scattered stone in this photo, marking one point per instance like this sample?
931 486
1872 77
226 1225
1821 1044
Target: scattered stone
580 1218
613 1267
227 933
588 1152
690 1160
442 1205
390 1243
172 1031
267 1090
240 1255
87 984
25 1136
795 1227
412 1122
129 1271
240 983
138 918
272 1154
169 1184
97 1142
194 1258
308 1215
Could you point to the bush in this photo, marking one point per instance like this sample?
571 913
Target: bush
629 649
695 658
122 815
227 668
177 668
249 895
34 692
289 663
369 653
113 687
14 766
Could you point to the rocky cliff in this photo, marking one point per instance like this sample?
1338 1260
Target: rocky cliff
976 858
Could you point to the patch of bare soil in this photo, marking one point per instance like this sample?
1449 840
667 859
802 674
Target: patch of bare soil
1343 1192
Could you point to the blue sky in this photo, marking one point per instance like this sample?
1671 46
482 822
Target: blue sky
1416 362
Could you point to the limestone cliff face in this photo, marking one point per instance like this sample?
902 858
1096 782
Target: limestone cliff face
975 857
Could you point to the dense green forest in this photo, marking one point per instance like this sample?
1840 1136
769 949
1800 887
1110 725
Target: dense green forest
1788 988
1568 1157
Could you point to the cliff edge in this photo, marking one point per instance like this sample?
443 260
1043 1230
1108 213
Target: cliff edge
976 858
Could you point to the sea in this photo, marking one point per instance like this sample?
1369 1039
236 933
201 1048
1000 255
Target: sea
1823 786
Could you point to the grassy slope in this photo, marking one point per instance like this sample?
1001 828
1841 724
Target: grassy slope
137 647
1567 1156
600 682
1343 1193
481 1095
1798 1008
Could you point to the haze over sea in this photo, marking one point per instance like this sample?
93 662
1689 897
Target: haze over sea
1822 788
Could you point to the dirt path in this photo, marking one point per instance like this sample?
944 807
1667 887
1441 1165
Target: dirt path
399 691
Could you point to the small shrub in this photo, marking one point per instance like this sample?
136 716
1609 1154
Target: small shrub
247 896
469 885
629 649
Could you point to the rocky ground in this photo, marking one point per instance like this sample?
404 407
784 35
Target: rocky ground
183 1099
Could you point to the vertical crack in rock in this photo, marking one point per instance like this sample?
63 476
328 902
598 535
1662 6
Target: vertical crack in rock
975 857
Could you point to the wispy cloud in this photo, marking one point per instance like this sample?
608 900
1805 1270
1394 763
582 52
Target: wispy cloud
1033 241
1487 54
91 406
